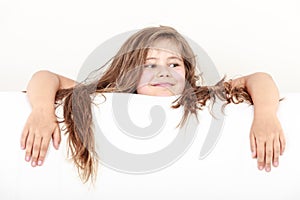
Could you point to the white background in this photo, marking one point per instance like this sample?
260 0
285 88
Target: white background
228 172
241 37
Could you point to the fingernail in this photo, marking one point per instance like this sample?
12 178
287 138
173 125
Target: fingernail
253 154
27 158
276 164
40 163
33 164
260 167
56 145
268 169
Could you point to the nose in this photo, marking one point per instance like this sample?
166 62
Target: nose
163 71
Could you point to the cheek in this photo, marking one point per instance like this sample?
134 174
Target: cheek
144 80
179 75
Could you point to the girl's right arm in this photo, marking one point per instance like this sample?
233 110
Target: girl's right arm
41 124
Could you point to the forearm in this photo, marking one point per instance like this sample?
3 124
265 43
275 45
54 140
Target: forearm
42 124
264 93
41 90
266 136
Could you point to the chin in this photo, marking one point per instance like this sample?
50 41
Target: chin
165 93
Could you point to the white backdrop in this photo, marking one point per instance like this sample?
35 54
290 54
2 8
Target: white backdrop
228 172
241 37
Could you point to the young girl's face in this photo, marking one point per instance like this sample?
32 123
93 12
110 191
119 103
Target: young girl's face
163 74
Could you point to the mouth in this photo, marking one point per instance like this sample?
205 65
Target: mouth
163 84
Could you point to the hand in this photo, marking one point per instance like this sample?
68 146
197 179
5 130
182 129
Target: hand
41 125
267 140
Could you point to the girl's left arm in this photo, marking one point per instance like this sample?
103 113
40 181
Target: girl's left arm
267 139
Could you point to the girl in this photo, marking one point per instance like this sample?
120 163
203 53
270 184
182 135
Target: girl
154 61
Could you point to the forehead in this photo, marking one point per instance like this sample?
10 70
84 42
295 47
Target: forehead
165 45
155 53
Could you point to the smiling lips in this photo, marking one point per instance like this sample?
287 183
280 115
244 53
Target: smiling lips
163 84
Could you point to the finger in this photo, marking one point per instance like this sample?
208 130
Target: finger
43 151
269 155
24 137
253 146
29 143
260 155
36 150
56 138
276 152
282 143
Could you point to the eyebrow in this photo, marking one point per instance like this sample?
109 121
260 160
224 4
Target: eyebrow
169 58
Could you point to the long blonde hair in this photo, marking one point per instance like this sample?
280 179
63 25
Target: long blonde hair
123 76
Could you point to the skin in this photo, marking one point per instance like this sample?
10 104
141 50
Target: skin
163 75
41 124
267 139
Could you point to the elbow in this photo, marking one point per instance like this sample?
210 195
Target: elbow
43 77
262 75
42 73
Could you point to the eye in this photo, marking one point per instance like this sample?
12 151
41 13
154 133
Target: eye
150 65
174 65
